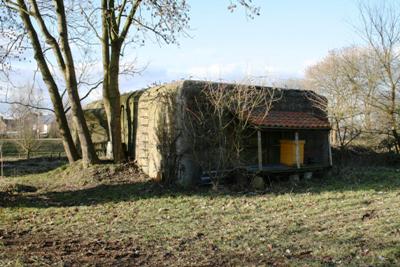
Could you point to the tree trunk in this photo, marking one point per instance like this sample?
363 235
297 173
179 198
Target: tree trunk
111 95
55 97
89 155
397 138
65 132
112 102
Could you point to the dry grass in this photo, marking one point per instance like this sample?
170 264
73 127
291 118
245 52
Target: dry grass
113 215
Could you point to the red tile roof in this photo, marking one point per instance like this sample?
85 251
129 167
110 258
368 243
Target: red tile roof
290 120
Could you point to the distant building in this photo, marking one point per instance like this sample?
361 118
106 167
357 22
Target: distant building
36 121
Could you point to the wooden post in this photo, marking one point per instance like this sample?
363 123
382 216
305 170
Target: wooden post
296 139
330 152
259 150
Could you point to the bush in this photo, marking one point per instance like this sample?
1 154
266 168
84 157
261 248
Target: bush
364 156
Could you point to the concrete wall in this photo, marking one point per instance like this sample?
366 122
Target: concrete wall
161 143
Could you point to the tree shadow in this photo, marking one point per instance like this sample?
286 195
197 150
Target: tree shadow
19 167
103 193
114 193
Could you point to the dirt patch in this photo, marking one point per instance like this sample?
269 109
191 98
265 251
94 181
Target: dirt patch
101 174
369 215
39 250
127 172
68 251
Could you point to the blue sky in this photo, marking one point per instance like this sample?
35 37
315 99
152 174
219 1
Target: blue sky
288 36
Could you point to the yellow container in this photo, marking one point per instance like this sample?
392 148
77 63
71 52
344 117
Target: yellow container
288 152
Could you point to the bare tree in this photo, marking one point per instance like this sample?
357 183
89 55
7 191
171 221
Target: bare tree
335 81
27 137
37 19
168 134
26 118
218 121
381 31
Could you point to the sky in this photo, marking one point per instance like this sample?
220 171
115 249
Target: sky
287 37
282 42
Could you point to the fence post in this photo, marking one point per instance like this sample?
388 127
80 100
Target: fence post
259 145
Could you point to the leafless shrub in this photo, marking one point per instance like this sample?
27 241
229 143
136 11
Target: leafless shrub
217 121
167 135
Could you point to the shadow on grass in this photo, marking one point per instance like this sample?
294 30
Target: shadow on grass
384 180
17 167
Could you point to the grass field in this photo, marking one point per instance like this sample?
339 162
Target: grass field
46 147
111 215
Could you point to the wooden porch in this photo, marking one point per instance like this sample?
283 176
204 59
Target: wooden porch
312 151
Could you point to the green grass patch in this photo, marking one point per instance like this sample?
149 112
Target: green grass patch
108 215
47 147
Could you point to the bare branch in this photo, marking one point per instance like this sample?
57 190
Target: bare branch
26 105
87 94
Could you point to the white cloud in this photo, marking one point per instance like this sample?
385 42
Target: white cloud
227 71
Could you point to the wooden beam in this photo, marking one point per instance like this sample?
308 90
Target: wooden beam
296 139
259 150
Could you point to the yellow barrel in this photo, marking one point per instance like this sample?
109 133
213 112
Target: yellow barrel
288 152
